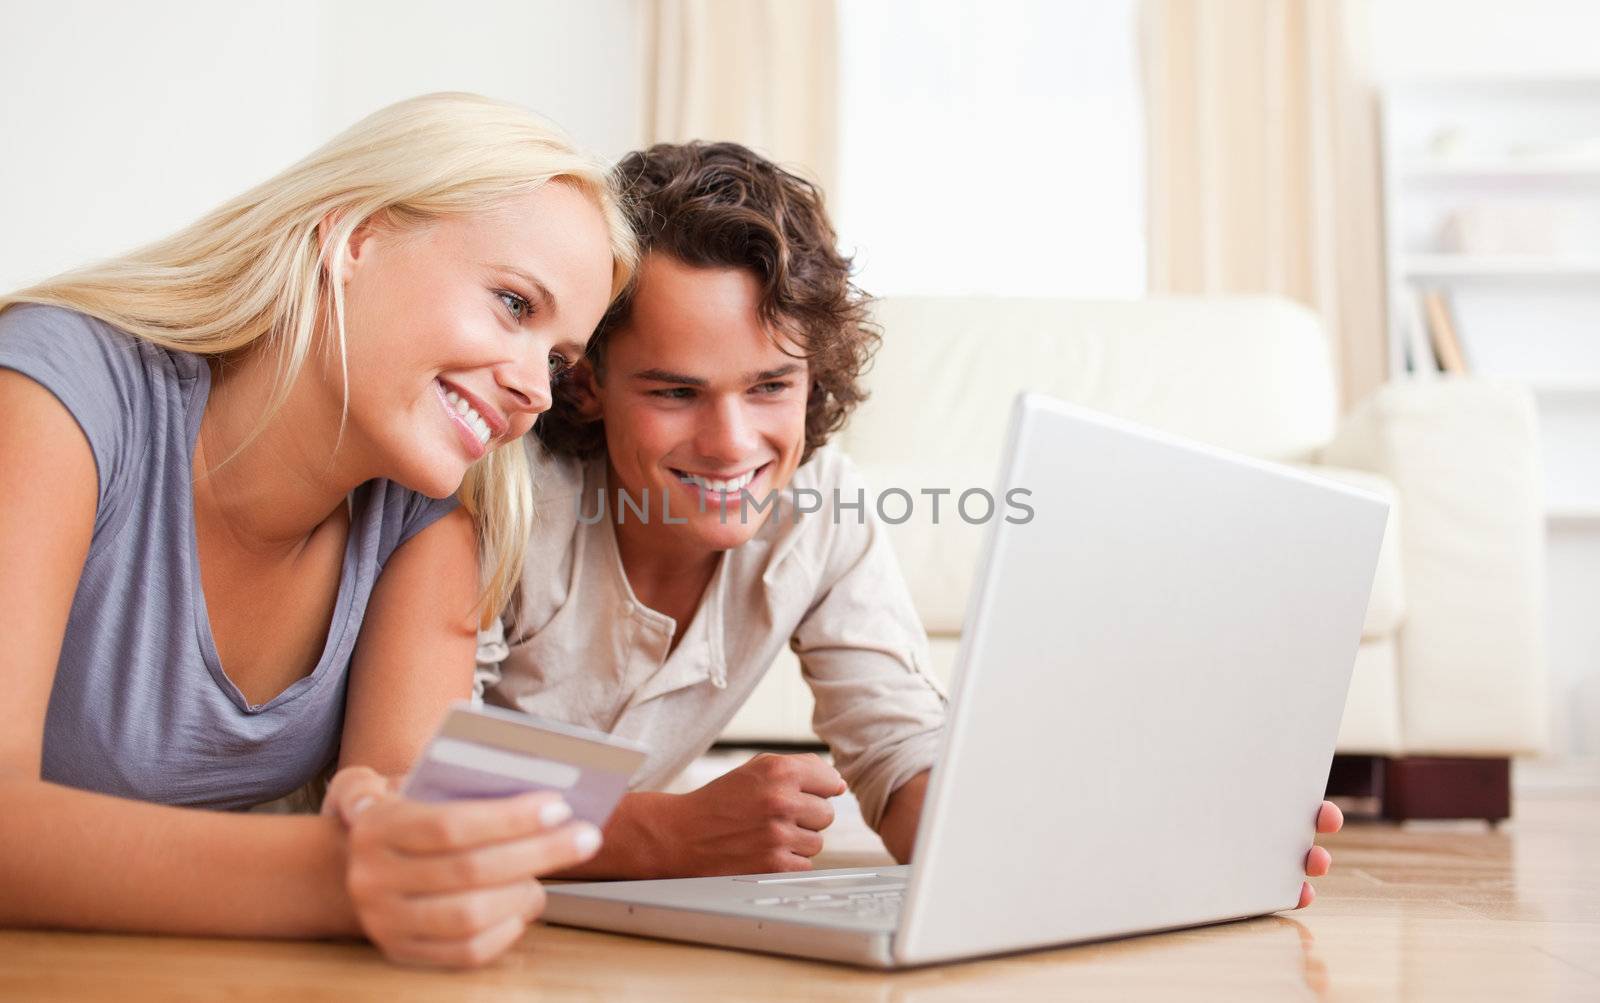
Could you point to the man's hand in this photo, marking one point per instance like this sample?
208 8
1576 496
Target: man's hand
767 815
1329 819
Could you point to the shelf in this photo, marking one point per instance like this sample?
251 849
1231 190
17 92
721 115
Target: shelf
1573 516
1563 386
1468 266
1548 387
1501 168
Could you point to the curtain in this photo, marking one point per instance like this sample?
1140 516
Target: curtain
1263 169
758 72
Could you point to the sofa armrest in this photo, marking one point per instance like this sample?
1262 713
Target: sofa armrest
1464 454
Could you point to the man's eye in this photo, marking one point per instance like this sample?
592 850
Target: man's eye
674 393
775 387
520 308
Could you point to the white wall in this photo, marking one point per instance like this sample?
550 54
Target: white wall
1487 37
122 122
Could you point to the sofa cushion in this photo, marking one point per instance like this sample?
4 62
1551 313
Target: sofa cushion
937 548
1371 722
1251 374
1464 454
1386 609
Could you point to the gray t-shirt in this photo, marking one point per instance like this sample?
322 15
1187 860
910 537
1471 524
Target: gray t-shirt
141 707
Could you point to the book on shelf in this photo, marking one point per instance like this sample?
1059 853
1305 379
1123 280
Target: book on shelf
1442 333
1419 354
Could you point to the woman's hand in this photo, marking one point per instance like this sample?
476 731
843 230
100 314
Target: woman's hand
1329 819
451 884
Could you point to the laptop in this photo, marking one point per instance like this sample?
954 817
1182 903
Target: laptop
1145 702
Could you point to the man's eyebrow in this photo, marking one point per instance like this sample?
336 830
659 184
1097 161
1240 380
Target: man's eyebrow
541 292
664 376
773 374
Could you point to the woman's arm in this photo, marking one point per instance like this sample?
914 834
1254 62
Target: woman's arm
86 861
434 884
74 859
415 654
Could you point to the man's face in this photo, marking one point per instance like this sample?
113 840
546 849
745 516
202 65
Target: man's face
702 400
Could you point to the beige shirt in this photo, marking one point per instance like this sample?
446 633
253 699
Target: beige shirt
578 646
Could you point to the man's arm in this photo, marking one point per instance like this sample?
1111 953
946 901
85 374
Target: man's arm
762 817
752 820
898 827
864 654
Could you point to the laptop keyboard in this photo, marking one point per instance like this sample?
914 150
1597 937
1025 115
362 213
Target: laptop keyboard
866 905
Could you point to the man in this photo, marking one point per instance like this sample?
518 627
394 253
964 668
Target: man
671 563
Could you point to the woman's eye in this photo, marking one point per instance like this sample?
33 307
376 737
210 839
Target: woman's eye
559 367
520 308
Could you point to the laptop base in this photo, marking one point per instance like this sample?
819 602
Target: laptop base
864 948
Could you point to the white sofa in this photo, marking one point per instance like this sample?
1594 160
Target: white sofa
1451 663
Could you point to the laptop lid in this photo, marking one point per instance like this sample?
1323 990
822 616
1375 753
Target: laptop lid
1150 682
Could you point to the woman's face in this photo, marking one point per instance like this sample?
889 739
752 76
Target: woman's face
455 327
701 402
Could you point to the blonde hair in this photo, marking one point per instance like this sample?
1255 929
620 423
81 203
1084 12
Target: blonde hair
255 267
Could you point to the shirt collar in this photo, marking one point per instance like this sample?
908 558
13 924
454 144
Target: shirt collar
700 655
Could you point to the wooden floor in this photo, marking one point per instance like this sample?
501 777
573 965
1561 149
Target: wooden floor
1420 912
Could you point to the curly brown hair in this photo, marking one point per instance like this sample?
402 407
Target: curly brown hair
721 205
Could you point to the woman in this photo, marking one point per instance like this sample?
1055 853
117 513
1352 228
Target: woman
233 557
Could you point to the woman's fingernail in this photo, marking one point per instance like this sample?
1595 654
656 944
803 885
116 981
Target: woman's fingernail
360 805
555 813
586 840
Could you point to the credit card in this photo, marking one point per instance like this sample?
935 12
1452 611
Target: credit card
489 752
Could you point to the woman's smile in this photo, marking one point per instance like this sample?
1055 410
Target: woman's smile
476 423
